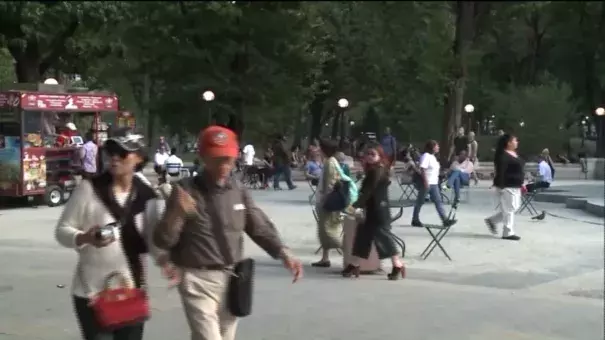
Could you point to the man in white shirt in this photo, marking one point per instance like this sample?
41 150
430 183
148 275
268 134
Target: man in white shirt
159 162
173 164
429 182
248 153
544 177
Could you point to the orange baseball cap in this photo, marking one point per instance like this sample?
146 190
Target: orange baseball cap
217 141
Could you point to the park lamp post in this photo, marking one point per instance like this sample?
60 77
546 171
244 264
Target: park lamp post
469 109
208 97
600 112
342 103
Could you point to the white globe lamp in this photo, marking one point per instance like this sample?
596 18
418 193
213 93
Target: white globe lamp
343 103
51 81
208 96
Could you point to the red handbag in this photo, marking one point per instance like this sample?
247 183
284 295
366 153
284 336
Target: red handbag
119 307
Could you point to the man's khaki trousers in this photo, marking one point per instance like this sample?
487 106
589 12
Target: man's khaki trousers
203 293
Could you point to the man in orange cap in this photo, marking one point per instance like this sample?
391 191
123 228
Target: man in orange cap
202 228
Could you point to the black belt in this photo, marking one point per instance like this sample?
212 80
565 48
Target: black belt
212 267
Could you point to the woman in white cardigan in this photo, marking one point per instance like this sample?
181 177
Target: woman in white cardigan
119 196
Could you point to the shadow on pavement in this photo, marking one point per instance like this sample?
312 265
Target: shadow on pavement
472 236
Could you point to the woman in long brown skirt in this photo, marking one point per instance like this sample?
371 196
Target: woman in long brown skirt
329 225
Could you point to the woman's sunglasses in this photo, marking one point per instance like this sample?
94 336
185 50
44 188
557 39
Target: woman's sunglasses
114 149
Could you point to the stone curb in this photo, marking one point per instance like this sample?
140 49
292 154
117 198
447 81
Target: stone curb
573 202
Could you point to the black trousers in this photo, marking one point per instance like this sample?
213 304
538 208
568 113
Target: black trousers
380 235
531 187
91 331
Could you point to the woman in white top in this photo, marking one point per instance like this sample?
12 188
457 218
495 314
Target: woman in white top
116 196
429 182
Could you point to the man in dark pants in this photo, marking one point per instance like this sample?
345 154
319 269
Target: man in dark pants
389 145
281 163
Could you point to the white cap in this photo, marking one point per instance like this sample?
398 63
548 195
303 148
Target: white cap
71 126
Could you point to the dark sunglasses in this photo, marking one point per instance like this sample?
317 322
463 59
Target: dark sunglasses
113 149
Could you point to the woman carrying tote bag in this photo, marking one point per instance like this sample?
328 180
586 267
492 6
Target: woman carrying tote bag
106 221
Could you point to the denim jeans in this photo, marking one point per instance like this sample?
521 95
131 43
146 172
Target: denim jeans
286 171
435 195
457 179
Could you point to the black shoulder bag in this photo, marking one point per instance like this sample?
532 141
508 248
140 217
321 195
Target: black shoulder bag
241 282
337 199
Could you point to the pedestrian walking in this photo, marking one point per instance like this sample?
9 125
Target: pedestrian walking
329 224
508 180
281 162
203 228
108 220
88 157
374 227
429 183
389 145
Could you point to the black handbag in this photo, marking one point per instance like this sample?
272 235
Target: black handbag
338 199
239 294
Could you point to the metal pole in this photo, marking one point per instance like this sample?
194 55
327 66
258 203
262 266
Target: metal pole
600 140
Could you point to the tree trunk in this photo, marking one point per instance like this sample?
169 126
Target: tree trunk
343 128
316 109
144 103
454 94
27 71
298 128
335 125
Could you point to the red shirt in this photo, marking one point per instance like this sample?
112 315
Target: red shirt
64 138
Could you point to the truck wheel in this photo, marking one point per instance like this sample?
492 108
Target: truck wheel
66 196
53 196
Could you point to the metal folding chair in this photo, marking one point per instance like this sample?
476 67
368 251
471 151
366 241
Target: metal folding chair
313 191
398 239
527 202
465 195
438 235
251 177
407 186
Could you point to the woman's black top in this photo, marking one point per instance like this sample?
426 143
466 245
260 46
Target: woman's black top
374 196
460 144
509 171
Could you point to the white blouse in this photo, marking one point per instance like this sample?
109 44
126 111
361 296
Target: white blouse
85 210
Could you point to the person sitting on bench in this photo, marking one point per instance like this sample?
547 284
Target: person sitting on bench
159 164
460 174
544 176
314 168
173 164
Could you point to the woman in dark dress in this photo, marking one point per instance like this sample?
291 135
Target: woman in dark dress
375 228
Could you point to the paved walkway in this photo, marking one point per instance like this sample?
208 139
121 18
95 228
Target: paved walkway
547 286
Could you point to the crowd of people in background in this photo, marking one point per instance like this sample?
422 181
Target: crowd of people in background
116 217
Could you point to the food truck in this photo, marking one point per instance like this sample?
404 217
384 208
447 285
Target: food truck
39 142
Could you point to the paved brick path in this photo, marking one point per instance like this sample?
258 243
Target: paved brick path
548 286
